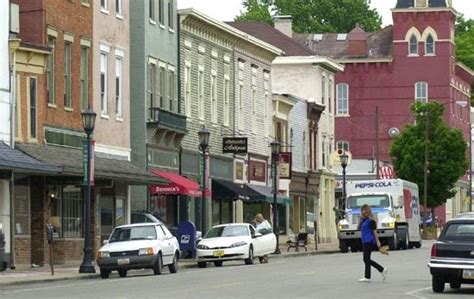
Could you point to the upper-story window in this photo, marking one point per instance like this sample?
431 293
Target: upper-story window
187 88
413 45
421 91
118 87
170 14
151 12
67 74
323 90
50 72
118 8
103 83
343 144
104 5
161 12
330 94
430 45
342 99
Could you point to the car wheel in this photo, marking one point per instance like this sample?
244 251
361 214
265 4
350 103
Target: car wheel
455 285
249 260
354 248
104 273
418 244
122 273
218 263
403 244
174 266
392 242
158 266
343 246
202 264
437 284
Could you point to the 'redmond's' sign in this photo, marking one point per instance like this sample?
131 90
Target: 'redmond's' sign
234 145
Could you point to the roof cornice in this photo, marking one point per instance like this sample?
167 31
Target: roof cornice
325 61
465 67
365 60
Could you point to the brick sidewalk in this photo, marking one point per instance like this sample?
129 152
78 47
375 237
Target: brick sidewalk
71 272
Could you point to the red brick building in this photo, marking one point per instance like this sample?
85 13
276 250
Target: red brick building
412 60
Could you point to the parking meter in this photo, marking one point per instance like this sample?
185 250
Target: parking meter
49 236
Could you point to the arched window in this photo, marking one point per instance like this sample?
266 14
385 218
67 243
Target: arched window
413 45
342 99
343 144
429 45
421 92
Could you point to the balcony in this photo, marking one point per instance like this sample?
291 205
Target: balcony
163 119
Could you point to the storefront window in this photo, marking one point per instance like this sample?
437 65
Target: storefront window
164 206
66 211
221 211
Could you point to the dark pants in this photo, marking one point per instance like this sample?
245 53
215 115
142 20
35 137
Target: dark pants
368 247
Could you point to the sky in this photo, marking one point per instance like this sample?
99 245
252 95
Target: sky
226 10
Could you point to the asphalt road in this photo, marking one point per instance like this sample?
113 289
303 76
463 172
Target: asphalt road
320 276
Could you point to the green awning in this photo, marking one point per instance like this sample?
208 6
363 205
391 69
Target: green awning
264 193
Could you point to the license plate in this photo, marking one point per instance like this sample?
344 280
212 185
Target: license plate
218 253
468 274
123 261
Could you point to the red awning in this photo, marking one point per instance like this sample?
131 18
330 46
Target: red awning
178 185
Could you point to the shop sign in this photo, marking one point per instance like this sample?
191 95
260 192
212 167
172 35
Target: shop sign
234 145
284 166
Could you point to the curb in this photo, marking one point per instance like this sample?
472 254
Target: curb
185 265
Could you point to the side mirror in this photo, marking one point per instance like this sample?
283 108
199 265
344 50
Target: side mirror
105 242
256 235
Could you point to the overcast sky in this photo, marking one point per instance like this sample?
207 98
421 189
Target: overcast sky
226 10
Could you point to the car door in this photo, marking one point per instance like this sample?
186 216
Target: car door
258 244
168 245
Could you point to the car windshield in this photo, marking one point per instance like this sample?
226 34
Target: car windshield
227 231
123 234
463 230
374 201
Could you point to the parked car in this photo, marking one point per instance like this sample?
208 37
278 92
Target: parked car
234 241
139 246
452 255
466 215
147 217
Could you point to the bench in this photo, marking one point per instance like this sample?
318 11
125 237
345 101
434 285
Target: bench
300 241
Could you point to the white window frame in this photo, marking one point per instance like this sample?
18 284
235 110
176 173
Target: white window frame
420 88
104 85
201 104
84 77
341 111
151 89
161 12
118 87
187 88
105 7
162 81
30 109
227 96
241 105
323 89
433 53
119 9
171 15
51 71
330 95
254 110
152 11
343 144
214 97
265 113
67 84
410 42
173 107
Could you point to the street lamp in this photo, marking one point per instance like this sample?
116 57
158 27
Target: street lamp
87 266
275 146
204 136
344 160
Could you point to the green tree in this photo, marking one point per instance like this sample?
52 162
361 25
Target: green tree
447 160
464 45
316 16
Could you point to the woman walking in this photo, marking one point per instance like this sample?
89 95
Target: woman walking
370 241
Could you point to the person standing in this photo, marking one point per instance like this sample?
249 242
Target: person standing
370 241
262 226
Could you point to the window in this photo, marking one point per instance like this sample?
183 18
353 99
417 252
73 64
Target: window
151 13
161 12
84 78
323 153
254 110
118 7
342 99
103 5
67 75
201 93
163 94
330 91
265 114
103 83
151 85
50 72
413 45
421 91
323 90
66 212
214 98
170 14
429 45
241 106
342 144
32 111
18 108
187 89
118 87
172 92
227 96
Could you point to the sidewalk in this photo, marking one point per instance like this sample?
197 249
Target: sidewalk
71 272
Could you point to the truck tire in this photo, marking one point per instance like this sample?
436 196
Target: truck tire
404 243
354 247
343 246
418 244
392 242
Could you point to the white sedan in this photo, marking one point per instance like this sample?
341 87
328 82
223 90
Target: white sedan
138 246
235 241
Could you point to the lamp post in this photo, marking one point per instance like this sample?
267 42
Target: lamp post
275 145
344 160
87 266
203 135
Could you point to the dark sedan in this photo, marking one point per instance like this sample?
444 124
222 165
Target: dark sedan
452 255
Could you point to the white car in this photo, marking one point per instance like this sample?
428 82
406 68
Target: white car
139 246
235 241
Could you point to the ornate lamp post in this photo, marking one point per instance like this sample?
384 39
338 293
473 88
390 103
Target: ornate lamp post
204 136
87 266
275 145
344 160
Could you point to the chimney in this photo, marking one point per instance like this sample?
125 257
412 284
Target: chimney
284 24
357 42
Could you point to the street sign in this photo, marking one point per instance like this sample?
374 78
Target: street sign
335 160
234 145
284 166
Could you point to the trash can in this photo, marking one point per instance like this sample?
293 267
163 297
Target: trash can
3 262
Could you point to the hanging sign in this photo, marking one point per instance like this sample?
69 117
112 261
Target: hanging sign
234 145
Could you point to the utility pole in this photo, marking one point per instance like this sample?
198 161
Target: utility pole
425 172
377 147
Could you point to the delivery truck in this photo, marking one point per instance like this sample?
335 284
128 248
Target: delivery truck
396 206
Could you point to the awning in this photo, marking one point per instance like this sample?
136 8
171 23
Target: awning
264 193
223 189
14 160
177 185
70 160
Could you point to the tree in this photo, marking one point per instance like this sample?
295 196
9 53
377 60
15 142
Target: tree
316 16
464 49
447 158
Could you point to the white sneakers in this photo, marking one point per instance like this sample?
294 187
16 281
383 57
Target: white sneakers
364 280
384 273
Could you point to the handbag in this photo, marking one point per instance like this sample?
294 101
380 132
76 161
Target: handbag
383 249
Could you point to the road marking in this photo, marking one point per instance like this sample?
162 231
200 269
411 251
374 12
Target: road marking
225 285
413 293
